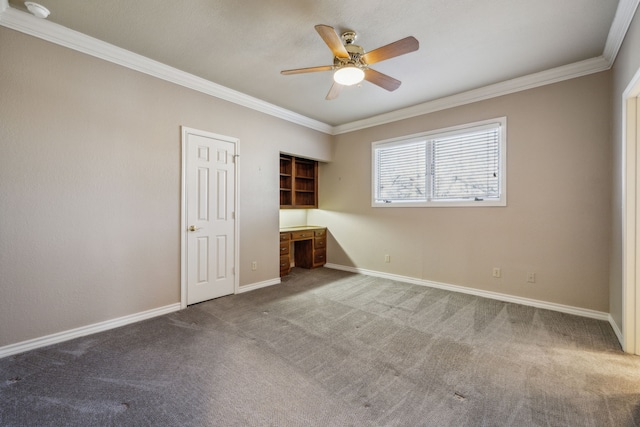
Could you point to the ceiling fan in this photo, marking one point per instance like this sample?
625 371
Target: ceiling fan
351 63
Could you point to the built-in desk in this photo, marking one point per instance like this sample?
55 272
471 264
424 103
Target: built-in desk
309 245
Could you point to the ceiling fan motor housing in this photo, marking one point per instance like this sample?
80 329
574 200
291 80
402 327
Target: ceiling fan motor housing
348 37
355 51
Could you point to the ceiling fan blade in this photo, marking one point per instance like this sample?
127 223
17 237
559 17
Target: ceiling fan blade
307 70
400 47
382 80
332 40
335 90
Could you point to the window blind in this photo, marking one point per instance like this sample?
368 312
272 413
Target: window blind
401 171
466 166
457 165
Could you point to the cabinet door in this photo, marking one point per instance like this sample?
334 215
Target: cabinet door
319 243
285 265
284 248
319 257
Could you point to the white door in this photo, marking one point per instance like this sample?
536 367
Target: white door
209 229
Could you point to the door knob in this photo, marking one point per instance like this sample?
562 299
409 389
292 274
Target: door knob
193 228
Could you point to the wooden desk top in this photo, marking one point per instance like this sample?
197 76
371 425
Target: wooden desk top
301 228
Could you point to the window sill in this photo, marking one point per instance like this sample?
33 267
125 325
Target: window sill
452 204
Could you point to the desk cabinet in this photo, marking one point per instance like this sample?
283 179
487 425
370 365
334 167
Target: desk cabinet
309 248
285 244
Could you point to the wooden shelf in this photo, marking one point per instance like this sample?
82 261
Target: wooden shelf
298 182
286 180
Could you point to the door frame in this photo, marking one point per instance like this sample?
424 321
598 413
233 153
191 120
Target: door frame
631 217
185 131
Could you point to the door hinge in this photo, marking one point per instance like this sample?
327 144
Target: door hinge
233 215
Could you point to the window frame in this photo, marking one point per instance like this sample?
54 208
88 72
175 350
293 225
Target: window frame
442 133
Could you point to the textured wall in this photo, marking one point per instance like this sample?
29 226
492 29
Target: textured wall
90 186
556 223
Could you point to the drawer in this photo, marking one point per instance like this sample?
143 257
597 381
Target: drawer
321 233
319 256
302 235
285 237
284 248
319 243
284 262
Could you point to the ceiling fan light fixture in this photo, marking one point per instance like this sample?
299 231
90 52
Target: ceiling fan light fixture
348 76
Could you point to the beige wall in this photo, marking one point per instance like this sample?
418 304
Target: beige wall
556 224
90 192
626 65
90 186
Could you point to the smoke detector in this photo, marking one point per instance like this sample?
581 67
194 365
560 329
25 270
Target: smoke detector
37 10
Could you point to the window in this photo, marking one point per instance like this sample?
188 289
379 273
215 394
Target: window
460 166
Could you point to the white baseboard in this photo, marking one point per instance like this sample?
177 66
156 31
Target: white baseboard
584 312
59 337
254 286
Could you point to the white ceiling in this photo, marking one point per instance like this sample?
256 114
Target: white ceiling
243 45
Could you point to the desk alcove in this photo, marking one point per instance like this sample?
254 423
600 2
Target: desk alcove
309 247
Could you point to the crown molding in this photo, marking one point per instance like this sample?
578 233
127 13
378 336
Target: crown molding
54 33
619 27
543 78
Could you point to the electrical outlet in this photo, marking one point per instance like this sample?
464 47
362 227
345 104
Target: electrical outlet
497 272
387 258
254 265
531 277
